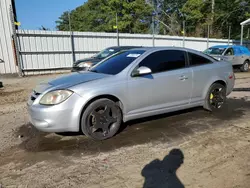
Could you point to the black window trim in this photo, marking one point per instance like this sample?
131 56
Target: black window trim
185 55
211 59
233 49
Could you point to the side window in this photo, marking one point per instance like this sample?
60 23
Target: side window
229 52
237 51
165 60
196 60
244 50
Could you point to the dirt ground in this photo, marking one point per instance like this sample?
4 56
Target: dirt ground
207 150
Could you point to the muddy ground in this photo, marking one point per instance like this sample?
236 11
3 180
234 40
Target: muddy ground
210 150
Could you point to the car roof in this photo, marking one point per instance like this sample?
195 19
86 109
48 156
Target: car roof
225 46
122 47
165 48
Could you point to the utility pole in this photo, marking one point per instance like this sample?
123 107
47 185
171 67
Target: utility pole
212 18
242 35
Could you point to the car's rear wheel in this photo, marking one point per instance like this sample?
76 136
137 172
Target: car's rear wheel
245 67
101 119
216 97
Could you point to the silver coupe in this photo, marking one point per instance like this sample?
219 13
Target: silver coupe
128 85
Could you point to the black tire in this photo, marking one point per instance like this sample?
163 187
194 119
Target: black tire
245 67
211 99
100 123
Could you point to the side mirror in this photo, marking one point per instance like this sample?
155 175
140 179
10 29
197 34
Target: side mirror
141 71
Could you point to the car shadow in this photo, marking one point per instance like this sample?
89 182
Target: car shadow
162 174
167 128
241 89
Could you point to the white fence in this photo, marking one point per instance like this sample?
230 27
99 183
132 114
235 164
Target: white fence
50 51
7 61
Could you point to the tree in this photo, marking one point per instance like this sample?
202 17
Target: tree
100 15
63 23
136 16
195 16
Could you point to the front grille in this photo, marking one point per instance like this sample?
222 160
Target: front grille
34 95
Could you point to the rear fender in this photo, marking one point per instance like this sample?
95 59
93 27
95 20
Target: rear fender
211 82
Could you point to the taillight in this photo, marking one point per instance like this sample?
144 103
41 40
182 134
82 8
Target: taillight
231 76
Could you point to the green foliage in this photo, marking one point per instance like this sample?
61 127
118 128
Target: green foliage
100 15
135 16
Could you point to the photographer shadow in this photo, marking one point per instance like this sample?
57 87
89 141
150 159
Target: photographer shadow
162 174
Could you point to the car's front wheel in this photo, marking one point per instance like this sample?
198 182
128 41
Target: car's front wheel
216 97
245 67
101 119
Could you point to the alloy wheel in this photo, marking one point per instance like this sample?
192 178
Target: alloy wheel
217 98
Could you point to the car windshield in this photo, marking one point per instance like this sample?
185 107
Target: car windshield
215 51
117 62
105 53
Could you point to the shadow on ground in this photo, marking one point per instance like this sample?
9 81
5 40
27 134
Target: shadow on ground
241 89
171 129
167 128
8 93
162 174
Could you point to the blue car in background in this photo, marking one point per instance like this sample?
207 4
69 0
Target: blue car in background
239 56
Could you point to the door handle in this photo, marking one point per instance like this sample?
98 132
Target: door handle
183 77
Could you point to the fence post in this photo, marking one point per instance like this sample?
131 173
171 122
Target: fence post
153 28
72 46
208 32
16 47
184 33
117 30
229 34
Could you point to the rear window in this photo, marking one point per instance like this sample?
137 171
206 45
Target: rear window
237 50
244 49
196 60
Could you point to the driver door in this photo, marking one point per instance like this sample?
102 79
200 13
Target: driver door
169 84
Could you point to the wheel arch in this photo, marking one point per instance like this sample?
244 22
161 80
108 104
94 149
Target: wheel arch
218 80
102 96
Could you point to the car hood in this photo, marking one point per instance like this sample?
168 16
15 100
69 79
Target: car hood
70 80
218 57
92 60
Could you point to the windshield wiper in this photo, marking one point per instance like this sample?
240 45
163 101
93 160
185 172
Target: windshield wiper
93 71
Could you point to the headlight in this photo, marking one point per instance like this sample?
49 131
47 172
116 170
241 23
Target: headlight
85 64
55 97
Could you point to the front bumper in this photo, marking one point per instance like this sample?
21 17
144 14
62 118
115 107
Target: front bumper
64 117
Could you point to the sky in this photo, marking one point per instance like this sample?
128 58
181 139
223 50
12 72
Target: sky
36 13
